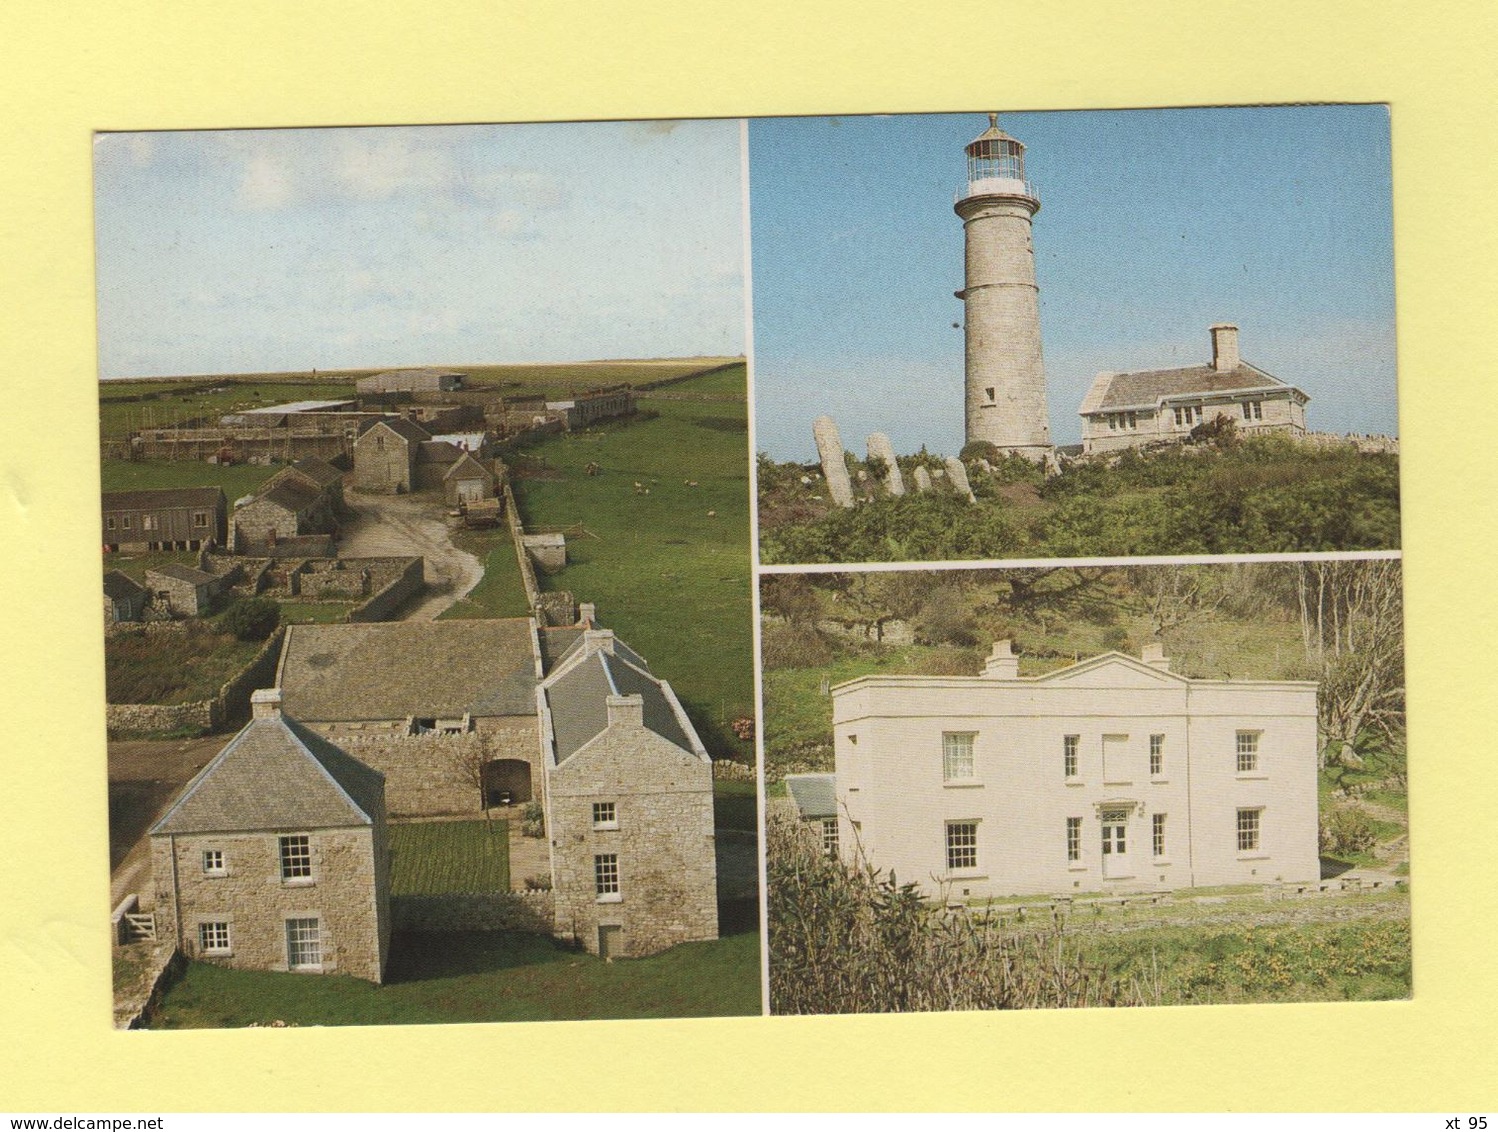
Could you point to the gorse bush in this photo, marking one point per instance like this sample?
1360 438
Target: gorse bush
855 940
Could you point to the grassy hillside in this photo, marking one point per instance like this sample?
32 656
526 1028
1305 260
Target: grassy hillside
666 562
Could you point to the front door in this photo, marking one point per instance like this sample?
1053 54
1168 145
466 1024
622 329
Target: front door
1116 843
610 937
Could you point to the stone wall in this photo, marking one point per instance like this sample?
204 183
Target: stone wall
475 912
517 536
231 704
384 602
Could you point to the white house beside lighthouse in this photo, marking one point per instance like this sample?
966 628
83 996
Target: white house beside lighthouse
1005 401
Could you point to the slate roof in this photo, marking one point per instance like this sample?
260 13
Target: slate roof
557 644
467 466
398 669
1148 387
147 500
275 775
439 452
118 585
318 471
294 495
578 700
815 795
410 430
182 573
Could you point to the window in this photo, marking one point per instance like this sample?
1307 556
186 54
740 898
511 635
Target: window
304 944
957 755
109 524
1248 830
125 522
213 937
962 845
1157 755
213 863
606 876
1248 752
1069 746
200 518
605 816
1157 830
1073 839
829 836
148 523
296 857
989 391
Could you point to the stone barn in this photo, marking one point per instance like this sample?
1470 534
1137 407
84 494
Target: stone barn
124 597
183 591
276 857
385 456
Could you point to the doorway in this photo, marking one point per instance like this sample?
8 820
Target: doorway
1116 843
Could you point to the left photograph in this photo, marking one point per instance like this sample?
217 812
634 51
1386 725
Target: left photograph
426 574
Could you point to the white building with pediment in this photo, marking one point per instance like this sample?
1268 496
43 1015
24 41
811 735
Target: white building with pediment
1113 774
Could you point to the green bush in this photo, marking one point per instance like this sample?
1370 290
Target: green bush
1347 832
533 820
251 619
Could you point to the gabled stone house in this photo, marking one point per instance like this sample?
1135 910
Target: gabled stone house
275 856
286 508
629 804
385 456
468 481
1114 774
124 597
183 591
1127 410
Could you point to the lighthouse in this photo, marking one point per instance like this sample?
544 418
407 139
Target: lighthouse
1005 371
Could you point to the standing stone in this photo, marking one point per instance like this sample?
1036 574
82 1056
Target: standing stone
922 479
958 475
881 449
834 466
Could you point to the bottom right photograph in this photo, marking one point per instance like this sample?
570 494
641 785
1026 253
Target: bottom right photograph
1068 786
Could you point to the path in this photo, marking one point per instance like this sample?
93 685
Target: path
385 525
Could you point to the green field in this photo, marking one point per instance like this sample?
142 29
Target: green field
669 570
161 404
236 480
478 977
172 669
434 858
500 593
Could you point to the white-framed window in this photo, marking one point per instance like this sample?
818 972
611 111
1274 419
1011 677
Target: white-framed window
1073 839
125 522
957 755
149 523
829 837
1070 744
296 857
1157 834
605 815
304 943
1248 830
200 518
213 937
109 523
606 876
962 845
1157 755
214 864
1248 752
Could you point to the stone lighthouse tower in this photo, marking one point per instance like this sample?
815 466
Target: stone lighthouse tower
1005 371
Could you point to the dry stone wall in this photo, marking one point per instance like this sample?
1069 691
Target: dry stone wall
475 912
231 704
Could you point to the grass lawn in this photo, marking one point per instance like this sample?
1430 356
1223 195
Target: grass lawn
433 858
479 977
236 479
500 593
315 612
562 378
735 806
669 571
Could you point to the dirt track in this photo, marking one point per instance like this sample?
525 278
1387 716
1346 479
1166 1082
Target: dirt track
403 524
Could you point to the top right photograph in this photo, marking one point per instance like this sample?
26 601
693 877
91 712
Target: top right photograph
1077 334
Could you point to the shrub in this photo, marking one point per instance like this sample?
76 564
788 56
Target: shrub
975 450
850 939
793 646
252 619
1347 832
538 883
533 820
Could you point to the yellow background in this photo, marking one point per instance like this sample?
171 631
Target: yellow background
70 68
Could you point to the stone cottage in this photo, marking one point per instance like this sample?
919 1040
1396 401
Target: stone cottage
385 456
275 856
284 509
1126 410
183 591
468 481
124 597
1114 774
629 804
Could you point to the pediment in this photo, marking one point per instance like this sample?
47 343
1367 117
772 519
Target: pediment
1112 670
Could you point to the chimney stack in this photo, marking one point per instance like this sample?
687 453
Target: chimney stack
1225 347
1154 656
595 640
1002 664
265 703
587 613
626 711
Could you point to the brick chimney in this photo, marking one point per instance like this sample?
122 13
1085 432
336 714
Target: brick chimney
1002 664
265 703
1154 656
1225 347
626 711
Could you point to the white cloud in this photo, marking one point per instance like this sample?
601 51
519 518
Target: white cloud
266 184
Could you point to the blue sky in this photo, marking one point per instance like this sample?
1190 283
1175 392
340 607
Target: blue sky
273 250
1154 224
